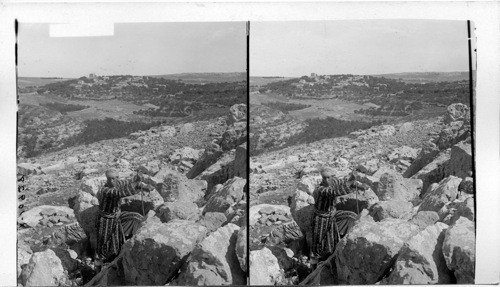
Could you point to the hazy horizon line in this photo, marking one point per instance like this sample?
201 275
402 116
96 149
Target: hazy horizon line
136 75
368 74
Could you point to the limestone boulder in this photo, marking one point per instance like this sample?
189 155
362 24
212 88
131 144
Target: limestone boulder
178 210
391 209
44 269
150 168
147 200
368 167
446 191
459 250
34 216
308 183
427 155
214 261
423 219
213 220
370 249
452 134
392 186
24 254
232 192
209 157
457 112
219 172
421 261
237 113
240 161
158 250
86 209
302 210
455 209
26 168
237 213
257 211
467 185
264 267
186 128
460 163
354 202
435 171
234 136
92 185
403 153
173 186
185 153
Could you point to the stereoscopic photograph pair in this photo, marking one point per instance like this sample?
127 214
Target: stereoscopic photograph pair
246 153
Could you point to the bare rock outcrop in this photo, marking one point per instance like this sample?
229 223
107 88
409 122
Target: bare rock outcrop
459 249
357 201
258 211
231 193
209 157
237 113
178 210
425 218
214 260
43 213
421 261
369 250
460 163
446 191
457 112
264 267
397 209
24 254
435 171
392 186
302 210
234 136
155 254
147 200
44 269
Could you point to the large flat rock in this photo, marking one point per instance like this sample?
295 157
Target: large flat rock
155 254
369 250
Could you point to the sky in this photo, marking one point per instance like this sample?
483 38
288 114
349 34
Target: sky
134 49
361 47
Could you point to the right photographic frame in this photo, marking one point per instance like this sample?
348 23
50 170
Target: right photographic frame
361 150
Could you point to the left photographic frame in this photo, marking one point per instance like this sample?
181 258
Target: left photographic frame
132 154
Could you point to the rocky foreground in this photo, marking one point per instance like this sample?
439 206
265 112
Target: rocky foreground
195 227
416 216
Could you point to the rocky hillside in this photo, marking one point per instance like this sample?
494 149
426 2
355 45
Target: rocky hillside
416 214
195 218
270 128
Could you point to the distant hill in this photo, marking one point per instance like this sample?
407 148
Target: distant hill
24 82
261 81
427 77
200 78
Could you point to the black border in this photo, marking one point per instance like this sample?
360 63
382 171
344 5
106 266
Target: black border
248 155
473 135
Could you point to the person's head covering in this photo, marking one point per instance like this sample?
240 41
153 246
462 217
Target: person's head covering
327 172
111 173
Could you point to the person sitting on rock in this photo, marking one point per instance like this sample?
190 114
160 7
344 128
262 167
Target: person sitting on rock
113 225
330 224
